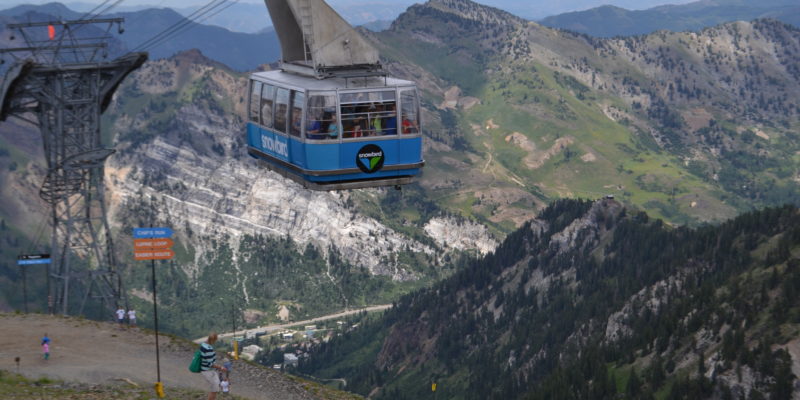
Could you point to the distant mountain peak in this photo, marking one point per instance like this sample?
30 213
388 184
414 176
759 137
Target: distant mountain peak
471 10
611 21
196 57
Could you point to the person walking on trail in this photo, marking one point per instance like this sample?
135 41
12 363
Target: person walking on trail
132 318
121 317
46 347
208 367
226 362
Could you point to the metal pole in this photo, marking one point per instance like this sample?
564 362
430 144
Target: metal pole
155 317
54 253
24 288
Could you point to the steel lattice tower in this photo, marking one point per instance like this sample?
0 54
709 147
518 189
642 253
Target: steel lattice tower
61 82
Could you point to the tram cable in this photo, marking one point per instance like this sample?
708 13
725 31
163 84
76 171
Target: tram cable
91 14
107 9
187 26
85 16
174 29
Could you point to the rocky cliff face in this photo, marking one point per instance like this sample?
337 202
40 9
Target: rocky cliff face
461 235
190 159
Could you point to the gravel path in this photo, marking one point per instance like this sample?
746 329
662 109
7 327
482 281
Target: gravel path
101 353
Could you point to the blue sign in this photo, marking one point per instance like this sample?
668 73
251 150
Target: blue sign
30 259
151 233
31 262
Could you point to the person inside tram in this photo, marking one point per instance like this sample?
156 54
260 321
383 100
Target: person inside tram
319 128
296 122
353 125
280 118
375 120
408 126
358 127
331 127
266 113
313 129
390 121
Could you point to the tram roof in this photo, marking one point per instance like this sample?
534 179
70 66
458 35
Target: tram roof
308 83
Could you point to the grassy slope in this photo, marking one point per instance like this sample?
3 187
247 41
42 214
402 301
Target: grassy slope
627 164
13 386
544 106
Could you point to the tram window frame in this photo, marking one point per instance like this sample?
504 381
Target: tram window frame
363 107
276 125
267 122
416 123
315 116
255 116
296 127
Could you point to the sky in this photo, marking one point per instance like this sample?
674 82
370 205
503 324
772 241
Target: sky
534 9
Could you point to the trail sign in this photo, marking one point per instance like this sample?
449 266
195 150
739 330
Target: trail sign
152 244
165 254
151 233
30 259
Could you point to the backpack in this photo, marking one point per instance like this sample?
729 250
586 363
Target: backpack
196 362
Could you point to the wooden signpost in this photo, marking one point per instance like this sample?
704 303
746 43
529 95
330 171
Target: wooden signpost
154 244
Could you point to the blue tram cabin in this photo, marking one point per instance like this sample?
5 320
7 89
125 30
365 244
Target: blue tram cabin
335 133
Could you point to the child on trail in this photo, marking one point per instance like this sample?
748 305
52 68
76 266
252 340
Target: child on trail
46 346
225 385
132 318
121 317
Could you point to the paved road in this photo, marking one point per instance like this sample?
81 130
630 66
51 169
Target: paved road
273 328
102 353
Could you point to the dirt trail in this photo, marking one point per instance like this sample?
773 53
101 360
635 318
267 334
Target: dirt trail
101 353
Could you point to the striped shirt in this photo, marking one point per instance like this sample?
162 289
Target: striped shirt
207 357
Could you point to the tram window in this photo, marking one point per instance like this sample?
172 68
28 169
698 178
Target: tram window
255 97
409 112
281 109
267 96
298 100
321 117
368 114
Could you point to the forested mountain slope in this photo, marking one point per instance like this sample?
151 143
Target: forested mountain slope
593 300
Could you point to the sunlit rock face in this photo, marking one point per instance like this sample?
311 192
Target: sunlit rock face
194 166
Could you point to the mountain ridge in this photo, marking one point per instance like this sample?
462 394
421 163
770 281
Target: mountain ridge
240 51
610 21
